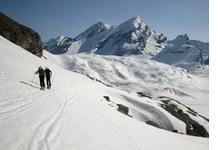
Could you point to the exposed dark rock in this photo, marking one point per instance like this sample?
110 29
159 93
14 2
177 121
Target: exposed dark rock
20 35
153 124
141 94
123 109
176 131
191 111
161 38
163 97
204 117
94 79
107 98
192 126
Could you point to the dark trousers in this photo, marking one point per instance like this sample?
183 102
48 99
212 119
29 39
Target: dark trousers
48 81
42 82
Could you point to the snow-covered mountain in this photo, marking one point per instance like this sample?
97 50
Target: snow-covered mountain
58 45
185 53
134 37
129 38
78 111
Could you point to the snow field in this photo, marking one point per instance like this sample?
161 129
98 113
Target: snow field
72 114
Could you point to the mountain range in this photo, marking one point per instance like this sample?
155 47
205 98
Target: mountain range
185 53
134 37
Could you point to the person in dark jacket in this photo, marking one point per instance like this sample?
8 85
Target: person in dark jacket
48 74
41 73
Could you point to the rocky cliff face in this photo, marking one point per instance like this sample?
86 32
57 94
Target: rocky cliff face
20 35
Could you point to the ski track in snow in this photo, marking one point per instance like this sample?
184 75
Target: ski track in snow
11 107
45 135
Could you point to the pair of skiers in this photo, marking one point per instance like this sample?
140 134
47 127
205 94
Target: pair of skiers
42 73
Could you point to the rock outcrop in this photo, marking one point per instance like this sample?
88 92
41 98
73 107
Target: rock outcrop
20 35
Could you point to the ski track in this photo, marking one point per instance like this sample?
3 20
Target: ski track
46 133
18 105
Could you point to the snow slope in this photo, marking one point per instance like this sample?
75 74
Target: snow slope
74 114
136 74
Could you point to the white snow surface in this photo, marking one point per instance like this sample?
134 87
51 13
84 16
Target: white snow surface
73 113
137 74
132 24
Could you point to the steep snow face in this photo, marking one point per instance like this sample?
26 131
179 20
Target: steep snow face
185 53
133 24
132 37
58 45
93 30
75 107
90 38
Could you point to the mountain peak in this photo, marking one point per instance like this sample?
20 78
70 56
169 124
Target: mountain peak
181 39
102 25
99 27
136 19
183 36
60 38
93 30
133 23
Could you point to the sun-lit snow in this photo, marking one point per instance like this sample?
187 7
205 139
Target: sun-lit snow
134 73
74 114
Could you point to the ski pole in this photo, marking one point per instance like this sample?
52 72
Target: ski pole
32 78
51 79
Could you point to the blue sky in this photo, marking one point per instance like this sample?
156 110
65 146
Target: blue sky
51 18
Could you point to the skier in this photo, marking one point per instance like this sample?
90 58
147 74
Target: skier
41 73
48 74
